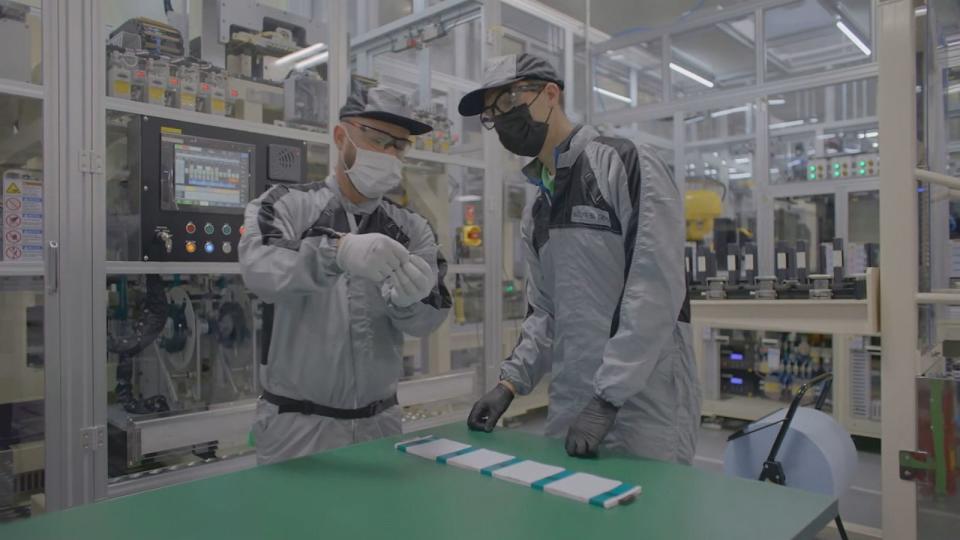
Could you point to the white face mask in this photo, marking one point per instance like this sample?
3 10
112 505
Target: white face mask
373 173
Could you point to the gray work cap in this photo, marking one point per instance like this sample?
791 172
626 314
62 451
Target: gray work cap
506 70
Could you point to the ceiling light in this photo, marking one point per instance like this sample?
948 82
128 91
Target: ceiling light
920 11
776 101
468 198
740 176
724 112
298 55
613 95
691 75
871 134
791 123
953 88
854 38
312 61
742 160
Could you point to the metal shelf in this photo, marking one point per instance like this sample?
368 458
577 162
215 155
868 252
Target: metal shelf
824 187
853 317
741 408
135 267
13 269
449 159
169 113
156 111
863 427
20 88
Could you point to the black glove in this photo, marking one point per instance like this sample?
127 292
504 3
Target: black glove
488 409
590 427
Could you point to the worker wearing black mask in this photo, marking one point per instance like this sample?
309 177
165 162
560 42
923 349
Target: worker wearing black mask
607 304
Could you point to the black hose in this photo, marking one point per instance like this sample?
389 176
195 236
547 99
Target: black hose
144 332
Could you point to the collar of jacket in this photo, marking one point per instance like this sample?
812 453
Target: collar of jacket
564 155
361 209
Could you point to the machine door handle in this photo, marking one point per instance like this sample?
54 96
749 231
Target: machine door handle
53 267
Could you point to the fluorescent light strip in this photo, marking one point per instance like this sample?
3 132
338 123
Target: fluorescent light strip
853 37
953 88
302 53
468 198
691 75
791 123
742 160
613 95
724 112
740 176
312 61
776 101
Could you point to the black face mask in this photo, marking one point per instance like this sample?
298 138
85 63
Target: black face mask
519 132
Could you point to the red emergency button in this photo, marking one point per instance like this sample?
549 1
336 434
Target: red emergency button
242 230
191 227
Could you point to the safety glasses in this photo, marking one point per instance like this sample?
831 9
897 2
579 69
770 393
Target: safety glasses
506 100
382 140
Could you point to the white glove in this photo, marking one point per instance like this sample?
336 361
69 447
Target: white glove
372 256
412 282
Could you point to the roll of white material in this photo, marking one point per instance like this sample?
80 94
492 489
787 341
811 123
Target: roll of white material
817 454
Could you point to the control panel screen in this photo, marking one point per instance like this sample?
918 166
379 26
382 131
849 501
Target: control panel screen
205 175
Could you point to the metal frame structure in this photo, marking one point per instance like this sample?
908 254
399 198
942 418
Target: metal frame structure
74 149
73 137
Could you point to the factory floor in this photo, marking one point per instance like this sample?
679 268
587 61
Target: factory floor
859 508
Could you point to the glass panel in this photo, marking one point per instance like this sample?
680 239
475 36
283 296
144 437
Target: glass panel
724 122
22 41
628 77
772 365
952 104
526 33
263 64
808 219
718 167
863 235
865 378
21 176
451 198
418 72
717 57
811 36
938 502
176 345
824 133
656 133
21 396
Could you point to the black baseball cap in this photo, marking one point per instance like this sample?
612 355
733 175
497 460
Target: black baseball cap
382 103
506 70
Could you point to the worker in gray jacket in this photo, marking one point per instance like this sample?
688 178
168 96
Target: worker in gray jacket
608 311
348 274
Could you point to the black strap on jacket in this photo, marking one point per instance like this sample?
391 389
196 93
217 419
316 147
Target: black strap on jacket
289 405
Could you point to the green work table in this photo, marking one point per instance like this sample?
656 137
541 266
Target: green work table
371 491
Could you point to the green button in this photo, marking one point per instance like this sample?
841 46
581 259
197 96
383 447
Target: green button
209 228
813 168
226 229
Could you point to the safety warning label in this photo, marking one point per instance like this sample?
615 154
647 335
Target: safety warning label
21 227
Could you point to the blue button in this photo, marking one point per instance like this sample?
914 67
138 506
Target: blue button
208 247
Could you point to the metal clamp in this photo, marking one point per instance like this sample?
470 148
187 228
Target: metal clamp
913 464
